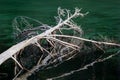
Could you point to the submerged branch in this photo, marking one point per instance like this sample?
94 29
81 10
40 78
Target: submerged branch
84 67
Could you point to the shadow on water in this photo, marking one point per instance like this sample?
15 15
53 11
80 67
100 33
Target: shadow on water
103 19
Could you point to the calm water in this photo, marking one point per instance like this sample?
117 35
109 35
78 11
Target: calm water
104 16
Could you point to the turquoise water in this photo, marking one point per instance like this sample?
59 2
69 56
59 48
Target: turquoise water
103 17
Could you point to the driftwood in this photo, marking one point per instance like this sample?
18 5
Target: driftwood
64 46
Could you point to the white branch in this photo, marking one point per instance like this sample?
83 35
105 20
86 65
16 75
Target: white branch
87 40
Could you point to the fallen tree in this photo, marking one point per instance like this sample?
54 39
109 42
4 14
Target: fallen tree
63 46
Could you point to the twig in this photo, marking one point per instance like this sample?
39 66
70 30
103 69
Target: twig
17 62
64 43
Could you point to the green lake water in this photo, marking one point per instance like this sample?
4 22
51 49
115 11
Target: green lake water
103 18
